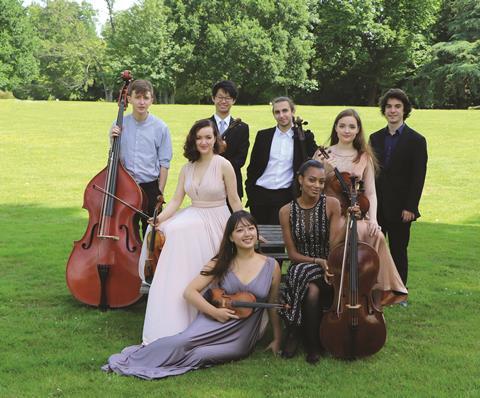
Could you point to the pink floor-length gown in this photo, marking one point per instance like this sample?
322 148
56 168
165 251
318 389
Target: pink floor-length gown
388 279
192 238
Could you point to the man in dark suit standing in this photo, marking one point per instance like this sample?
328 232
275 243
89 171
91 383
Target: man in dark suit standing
224 95
402 156
276 156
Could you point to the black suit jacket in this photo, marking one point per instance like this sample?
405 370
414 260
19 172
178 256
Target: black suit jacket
237 140
399 185
261 154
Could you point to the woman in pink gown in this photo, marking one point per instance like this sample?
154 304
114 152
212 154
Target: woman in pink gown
349 152
192 235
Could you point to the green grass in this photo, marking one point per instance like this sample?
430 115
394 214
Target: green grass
53 346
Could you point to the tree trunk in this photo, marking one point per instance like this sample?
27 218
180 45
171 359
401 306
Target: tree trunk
372 95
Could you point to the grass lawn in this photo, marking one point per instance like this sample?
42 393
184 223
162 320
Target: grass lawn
53 346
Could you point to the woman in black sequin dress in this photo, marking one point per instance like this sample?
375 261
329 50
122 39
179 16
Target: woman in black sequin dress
311 224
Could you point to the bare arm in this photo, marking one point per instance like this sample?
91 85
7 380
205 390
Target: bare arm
272 312
162 179
370 192
231 186
175 202
337 222
292 251
193 295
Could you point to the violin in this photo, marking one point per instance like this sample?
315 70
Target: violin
102 269
243 303
341 189
354 326
222 143
298 124
155 241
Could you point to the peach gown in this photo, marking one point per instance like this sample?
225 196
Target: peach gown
388 280
192 238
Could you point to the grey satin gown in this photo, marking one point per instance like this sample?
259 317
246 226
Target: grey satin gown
206 342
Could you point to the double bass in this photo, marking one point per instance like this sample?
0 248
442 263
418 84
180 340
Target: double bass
102 270
354 327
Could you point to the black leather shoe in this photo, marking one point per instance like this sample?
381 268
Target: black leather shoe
312 357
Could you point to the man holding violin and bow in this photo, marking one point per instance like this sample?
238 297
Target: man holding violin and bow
234 133
276 156
145 145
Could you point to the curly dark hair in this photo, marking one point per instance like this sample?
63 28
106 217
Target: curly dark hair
190 147
228 250
399 95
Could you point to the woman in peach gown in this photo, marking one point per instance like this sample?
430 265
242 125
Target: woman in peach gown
349 152
192 235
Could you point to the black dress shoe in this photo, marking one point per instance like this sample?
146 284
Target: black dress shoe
312 357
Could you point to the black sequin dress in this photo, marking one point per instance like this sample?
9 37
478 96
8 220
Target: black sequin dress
310 233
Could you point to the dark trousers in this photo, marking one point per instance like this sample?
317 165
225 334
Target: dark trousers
398 234
152 191
266 203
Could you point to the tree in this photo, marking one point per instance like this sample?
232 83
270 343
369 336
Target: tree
451 78
17 42
365 46
263 45
67 49
143 42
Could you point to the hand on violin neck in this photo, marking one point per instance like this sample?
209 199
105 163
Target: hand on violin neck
355 211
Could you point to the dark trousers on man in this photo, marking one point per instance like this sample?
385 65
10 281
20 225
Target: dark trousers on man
398 234
152 191
266 203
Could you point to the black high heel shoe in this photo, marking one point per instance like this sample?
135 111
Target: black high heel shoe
290 345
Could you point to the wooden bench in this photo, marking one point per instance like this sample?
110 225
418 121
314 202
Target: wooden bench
275 246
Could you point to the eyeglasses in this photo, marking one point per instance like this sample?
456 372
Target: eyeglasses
221 99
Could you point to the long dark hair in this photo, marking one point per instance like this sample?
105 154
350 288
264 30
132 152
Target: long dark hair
301 172
359 143
228 250
190 147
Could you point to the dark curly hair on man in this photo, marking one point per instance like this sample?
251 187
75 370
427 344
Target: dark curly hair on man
190 147
399 95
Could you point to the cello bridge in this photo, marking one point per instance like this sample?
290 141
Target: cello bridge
108 237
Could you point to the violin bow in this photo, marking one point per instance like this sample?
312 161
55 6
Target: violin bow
141 213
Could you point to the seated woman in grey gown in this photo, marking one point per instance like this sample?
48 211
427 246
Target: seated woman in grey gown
217 335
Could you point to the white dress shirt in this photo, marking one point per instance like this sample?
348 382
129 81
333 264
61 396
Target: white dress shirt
279 171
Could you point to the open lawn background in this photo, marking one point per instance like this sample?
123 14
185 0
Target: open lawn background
52 345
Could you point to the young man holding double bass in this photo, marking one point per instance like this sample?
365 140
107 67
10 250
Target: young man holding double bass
145 144
402 157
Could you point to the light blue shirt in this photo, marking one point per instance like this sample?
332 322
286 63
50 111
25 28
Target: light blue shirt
145 147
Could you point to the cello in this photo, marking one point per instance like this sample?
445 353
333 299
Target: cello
102 269
353 327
